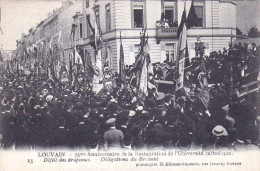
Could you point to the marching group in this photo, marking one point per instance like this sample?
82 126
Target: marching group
38 112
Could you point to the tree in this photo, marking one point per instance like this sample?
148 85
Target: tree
253 32
239 32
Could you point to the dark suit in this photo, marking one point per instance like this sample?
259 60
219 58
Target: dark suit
113 138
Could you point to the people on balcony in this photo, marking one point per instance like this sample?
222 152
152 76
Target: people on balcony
166 22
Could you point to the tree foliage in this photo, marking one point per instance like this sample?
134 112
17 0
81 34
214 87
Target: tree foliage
253 32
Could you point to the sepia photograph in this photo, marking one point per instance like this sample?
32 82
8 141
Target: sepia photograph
129 84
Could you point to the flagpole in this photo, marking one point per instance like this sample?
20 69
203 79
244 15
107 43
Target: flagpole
185 5
142 48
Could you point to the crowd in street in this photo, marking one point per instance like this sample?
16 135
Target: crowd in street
38 112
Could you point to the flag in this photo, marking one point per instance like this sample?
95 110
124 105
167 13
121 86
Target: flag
17 68
143 82
107 56
78 59
98 63
183 21
89 66
70 69
52 70
97 37
182 52
88 20
98 40
51 45
60 39
82 56
73 31
192 17
122 64
187 60
136 70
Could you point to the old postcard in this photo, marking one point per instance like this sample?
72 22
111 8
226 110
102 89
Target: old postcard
129 85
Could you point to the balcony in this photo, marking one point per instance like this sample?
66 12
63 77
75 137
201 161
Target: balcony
162 32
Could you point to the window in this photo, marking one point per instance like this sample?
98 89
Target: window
138 17
169 53
199 10
80 30
108 17
170 13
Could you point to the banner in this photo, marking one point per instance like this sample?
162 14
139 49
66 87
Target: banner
144 78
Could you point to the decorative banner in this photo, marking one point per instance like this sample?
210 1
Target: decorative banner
78 59
64 77
108 79
144 78
98 77
179 83
181 66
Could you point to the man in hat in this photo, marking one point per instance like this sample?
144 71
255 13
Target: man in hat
220 134
113 138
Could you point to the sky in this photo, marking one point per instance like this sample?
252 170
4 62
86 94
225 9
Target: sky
248 14
18 16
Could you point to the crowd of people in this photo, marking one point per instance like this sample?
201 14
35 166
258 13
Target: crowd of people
38 112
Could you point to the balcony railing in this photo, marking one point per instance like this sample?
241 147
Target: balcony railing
162 32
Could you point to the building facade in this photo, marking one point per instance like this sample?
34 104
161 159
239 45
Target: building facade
55 30
216 26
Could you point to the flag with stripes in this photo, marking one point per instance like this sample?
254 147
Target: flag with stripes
182 53
122 64
73 31
78 59
143 83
